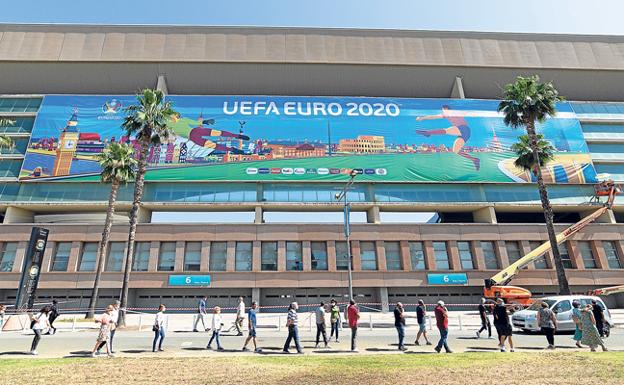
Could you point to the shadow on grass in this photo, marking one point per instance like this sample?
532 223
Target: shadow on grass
332 351
15 354
381 350
483 348
136 351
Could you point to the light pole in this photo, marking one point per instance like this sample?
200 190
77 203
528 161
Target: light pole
347 227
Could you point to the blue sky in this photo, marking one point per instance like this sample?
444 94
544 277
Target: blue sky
556 16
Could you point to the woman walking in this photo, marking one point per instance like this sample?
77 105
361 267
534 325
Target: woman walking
334 319
591 336
40 323
159 328
576 317
547 321
216 328
105 321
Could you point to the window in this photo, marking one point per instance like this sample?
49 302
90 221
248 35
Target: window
565 256
539 263
10 168
441 256
513 251
243 258
562 306
218 256
465 255
393 256
61 256
613 259
7 256
342 256
319 255
88 257
166 257
115 256
417 255
489 255
294 258
140 262
589 260
268 256
192 256
368 255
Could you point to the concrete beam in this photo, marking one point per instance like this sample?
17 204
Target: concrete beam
372 215
18 215
485 215
144 215
458 89
607 217
259 217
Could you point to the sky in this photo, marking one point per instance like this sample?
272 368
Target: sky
545 16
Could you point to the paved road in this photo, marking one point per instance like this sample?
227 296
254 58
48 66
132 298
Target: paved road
188 344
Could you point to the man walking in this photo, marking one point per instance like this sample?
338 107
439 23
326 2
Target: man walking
251 324
399 324
441 315
421 317
201 314
502 325
54 313
353 316
240 316
598 312
293 328
113 323
320 325
334 319
485 321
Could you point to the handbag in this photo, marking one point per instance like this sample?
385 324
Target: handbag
155 328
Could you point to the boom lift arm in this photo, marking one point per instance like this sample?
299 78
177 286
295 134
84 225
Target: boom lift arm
608 290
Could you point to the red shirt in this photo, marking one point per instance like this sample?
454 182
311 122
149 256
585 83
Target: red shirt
352 314
441 317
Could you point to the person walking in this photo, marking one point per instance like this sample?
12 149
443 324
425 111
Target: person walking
293 329
547 321
591 336
598 316
114 322
105 321
251 325
2 312
441 315
503 325
54 313
160 324
320 325
576 317
334 319
485 321
39 323
201 314
421 317
240 316
353 316
216 328
399 324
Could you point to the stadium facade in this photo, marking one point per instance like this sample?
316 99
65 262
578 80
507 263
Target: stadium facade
483 225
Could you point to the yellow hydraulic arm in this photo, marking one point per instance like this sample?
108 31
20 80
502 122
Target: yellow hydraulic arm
504 276
608 290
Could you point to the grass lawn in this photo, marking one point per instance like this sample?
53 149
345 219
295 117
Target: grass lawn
463 368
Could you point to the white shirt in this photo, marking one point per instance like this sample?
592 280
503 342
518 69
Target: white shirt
160 320
41 321
241 310
115 316
216 322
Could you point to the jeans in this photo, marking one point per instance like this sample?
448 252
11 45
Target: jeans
485 324
401 330
160 333
320 329
36 339
442 342
110 341
334 328
293 334
550 335
200 317
354 338
600 327
215 336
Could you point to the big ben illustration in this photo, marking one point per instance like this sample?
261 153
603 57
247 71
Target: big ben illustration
68 141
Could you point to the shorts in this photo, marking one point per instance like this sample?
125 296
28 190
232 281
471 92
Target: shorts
252 332
503 330
464 132
422 327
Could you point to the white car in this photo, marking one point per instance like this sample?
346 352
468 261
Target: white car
561 305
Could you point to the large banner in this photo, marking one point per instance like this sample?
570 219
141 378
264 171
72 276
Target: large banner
265 138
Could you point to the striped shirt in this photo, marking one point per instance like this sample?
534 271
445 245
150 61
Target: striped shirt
292 317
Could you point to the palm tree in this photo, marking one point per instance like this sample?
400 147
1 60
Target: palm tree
6 141
118 167
525 102
148 122
526 160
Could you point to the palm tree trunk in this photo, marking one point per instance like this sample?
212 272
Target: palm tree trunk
564 287
136 204
101 256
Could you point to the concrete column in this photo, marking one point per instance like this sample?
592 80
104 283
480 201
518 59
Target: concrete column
429 256
259 215
380 250
525 248
453 253
144 215
477 255
331 256
383 298
501 254
485 215
306 251
179 256
457 92
372 215
607 217
600 255
46 264
18 215
575 255
255 297
281 255
153 257
620 251
406 260
256 256
161 83
204 263
230 262
20 254
355 256
72 262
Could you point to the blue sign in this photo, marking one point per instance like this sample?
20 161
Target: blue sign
189 280
447 279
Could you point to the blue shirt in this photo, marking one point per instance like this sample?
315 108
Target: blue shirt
202 306
252 318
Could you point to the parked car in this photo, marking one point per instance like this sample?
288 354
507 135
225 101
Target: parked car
561 305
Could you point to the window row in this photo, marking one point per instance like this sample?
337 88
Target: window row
467 252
